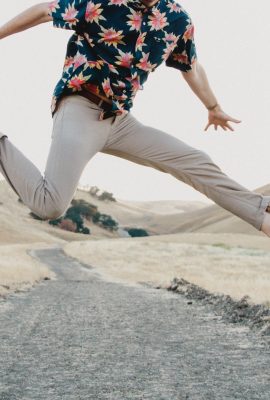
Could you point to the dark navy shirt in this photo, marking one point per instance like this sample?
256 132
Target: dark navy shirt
117 43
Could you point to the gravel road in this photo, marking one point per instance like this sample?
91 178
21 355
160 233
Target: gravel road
79 338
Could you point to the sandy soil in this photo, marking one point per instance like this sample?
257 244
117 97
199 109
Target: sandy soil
18 270
236 265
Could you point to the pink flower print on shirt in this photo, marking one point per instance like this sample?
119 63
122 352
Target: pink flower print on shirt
135 20
111 37
77 81
145 64
79 60
54 5
140 42
174 7
118 2
158 20
94 13
189 33
124 59
106 85
70 15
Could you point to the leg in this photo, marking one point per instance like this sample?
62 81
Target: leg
76 137
151 147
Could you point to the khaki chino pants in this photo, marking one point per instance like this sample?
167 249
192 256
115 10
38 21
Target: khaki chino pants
78 135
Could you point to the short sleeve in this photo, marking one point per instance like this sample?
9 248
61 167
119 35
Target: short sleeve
184 53
68 14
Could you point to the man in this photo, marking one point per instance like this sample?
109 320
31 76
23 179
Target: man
114 47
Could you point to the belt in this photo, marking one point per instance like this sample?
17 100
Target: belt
95 99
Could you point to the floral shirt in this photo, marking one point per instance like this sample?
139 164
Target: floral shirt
117 43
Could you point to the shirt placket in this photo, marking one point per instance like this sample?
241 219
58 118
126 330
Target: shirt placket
139 53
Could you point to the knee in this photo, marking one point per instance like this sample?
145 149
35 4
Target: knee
49 213
53 214
204 157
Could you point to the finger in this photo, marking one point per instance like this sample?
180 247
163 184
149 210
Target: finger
237 121
207 126
215 127
229 127
223 127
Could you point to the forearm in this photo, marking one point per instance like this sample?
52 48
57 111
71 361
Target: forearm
198 82
34 15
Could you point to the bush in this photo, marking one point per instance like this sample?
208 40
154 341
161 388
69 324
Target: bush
106 221
85 230
106 196
68 225
84 208
74 216
137 232
96 217
55 222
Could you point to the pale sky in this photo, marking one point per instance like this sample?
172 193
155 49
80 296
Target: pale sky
232 43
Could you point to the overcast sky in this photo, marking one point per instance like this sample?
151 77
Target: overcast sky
232 43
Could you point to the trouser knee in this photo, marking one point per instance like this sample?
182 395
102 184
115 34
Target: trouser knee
50 211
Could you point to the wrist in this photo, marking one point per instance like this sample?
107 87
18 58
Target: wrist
213 107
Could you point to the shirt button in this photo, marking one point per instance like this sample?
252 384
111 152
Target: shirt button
144 23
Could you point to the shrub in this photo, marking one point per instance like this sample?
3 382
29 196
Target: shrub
74 216
137 232
68 225
55 222
106 221
106 196
85 230
96 217
84 208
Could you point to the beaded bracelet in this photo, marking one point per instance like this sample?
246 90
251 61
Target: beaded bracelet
212 108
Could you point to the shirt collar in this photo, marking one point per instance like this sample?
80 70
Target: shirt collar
138 4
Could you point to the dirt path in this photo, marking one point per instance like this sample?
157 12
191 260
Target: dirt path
79 338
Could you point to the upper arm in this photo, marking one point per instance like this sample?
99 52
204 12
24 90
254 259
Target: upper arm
184 53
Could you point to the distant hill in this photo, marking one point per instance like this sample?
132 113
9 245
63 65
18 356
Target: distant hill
157 217
210 219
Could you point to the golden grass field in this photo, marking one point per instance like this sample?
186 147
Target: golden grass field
193 240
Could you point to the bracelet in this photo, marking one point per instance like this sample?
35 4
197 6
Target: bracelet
212 107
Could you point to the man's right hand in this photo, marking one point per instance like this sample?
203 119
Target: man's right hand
218 117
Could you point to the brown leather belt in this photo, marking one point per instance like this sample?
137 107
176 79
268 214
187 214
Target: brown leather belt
95 99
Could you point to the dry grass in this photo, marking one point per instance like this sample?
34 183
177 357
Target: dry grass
217 265
18 270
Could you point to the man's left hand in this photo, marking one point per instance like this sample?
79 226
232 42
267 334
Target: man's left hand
218 117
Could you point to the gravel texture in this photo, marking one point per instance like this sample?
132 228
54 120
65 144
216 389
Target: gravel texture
80 337
242 312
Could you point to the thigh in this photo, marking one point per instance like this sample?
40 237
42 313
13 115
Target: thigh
77 136
152 147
